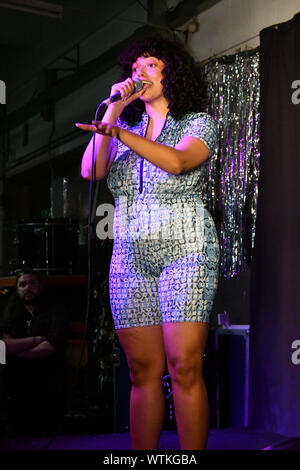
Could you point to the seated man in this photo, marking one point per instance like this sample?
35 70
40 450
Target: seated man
35 331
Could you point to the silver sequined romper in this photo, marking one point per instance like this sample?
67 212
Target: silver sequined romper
164 266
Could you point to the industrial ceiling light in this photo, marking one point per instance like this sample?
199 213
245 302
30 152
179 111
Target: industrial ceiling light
34 6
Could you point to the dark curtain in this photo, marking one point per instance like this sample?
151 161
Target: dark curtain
275 300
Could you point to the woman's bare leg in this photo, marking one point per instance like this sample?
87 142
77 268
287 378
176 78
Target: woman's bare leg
184 345
144 350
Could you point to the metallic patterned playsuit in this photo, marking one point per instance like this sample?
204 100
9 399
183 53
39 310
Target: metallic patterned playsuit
164 266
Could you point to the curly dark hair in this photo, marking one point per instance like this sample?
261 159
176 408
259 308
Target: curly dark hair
183 82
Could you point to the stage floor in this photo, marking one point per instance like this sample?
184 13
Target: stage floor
219 439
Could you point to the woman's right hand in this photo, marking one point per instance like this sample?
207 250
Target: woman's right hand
126 89
114 110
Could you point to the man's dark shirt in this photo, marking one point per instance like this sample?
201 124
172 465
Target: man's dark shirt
49 320
45 376
36 388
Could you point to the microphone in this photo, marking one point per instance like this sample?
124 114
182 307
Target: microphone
138 85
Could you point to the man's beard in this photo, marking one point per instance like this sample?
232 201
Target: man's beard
29 298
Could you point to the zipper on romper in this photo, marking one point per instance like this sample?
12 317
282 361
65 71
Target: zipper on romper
141 176
142 162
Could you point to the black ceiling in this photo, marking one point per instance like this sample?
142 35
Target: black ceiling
28 42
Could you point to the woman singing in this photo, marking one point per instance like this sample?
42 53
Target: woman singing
154 145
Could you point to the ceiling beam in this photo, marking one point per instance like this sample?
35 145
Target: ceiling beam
34 6
186 10
84 74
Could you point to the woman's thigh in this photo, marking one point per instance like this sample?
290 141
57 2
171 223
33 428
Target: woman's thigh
133 298
186 289
144 349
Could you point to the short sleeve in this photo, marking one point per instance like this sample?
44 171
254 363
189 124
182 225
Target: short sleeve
203 127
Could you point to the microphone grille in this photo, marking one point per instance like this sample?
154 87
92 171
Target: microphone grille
138 84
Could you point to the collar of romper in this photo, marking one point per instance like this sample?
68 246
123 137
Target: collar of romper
145 120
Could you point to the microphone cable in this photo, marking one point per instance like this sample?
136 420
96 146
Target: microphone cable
89 279
138 85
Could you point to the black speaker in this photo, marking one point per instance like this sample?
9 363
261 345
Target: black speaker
232 345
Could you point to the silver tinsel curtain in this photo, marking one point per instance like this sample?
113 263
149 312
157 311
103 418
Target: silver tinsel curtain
231 194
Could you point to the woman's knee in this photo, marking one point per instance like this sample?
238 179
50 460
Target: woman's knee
144 372
144 349
185 373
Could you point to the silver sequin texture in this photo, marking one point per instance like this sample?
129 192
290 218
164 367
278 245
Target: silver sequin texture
230 188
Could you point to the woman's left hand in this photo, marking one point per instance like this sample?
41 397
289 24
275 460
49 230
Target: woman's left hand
99 127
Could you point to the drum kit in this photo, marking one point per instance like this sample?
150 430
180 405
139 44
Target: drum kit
48 246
